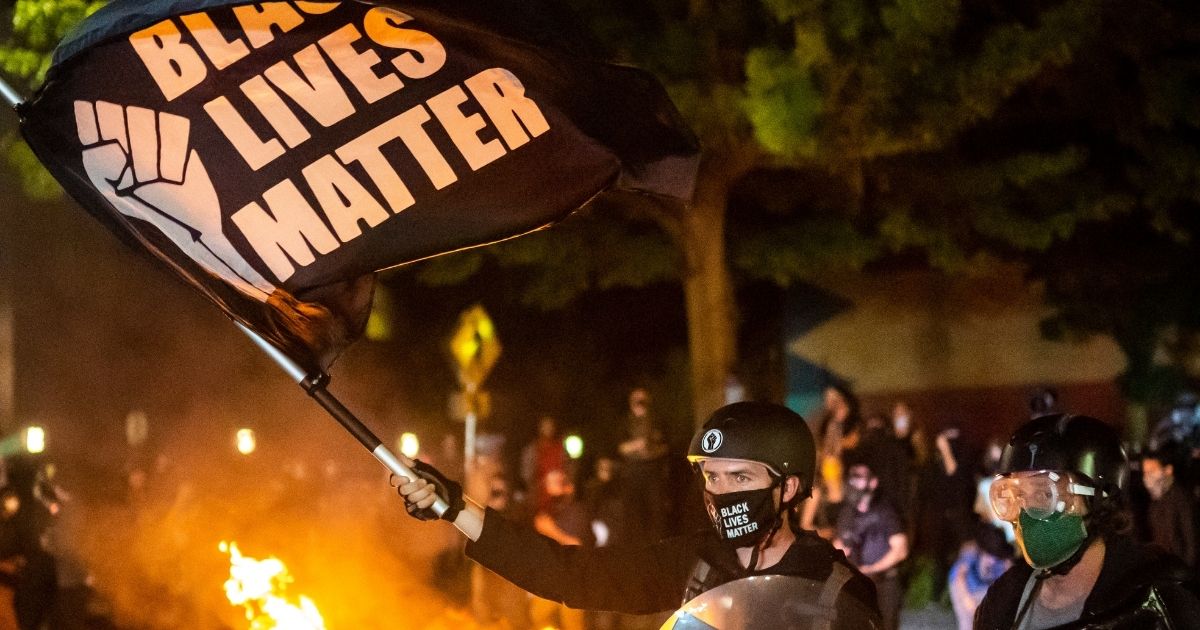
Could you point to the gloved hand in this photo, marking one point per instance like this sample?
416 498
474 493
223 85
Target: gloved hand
447 489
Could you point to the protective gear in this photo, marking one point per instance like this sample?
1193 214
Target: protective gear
1048 542
1040 495
769 434
449 490
1062 456
777 601
1067 443
743 518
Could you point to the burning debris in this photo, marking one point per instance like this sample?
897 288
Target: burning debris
259 587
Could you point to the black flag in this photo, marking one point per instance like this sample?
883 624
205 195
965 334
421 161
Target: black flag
275 155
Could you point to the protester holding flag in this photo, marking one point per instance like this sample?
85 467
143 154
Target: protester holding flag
757 461
275 155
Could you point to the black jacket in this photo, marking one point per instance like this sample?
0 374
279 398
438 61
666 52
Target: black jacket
639 579
1138 588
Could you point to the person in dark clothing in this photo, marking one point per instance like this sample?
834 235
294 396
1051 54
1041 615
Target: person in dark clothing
645 469
887 457
872 535
946 517
1170 517
757 461
1061 483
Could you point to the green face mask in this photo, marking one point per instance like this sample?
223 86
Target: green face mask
1047 543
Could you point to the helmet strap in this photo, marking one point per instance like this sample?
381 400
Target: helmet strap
765 544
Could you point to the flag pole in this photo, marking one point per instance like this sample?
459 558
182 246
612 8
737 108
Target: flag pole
315 385
10 95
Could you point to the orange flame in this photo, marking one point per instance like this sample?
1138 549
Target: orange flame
258 586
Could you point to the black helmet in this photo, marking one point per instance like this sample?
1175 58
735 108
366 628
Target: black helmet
759 432
1078 444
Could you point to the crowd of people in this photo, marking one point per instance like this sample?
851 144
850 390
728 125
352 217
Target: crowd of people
909 508
1025 527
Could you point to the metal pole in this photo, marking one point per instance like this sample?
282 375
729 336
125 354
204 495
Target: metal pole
315 386
10 95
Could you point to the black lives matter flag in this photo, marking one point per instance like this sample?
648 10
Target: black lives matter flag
275 155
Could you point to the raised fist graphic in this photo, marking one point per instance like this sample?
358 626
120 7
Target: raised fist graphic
139 159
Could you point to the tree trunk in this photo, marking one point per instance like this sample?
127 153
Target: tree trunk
7 338
708 294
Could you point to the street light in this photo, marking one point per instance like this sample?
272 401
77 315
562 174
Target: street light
410 445
246 442
31 439
35 439
574 446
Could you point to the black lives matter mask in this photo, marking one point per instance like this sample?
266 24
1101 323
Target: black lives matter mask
742 518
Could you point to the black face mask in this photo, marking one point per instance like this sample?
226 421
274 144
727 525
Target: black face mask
743 518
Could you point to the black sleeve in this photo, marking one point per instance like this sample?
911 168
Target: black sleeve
1187 530
1182 605
633 580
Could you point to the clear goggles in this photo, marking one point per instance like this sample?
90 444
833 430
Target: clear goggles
1041 494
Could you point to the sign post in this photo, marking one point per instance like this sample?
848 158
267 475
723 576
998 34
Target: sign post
475 350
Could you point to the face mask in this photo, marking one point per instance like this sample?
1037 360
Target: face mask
856 489
1047 543
742 518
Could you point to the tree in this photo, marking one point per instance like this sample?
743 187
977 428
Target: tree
36 28
893 116
854 132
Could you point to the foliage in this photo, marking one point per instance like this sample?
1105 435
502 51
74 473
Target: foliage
37 27
590 250
951 132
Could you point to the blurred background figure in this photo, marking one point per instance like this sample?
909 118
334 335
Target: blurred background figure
948 494
872 535
1181 425
887 456
545 454
566 521
645 469
988 466
836 432
602 496
980 563
1170 514
1043 402
28 505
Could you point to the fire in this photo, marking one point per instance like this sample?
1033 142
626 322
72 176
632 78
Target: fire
258 586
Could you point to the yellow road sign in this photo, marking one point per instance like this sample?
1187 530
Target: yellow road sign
474 346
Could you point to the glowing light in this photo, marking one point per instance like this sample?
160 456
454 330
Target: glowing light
35 439
574 446
259 586
410 445
246 442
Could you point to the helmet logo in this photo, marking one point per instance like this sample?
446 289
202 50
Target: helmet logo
712 440
1033 448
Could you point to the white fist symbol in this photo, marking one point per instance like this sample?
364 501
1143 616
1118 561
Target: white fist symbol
139 160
